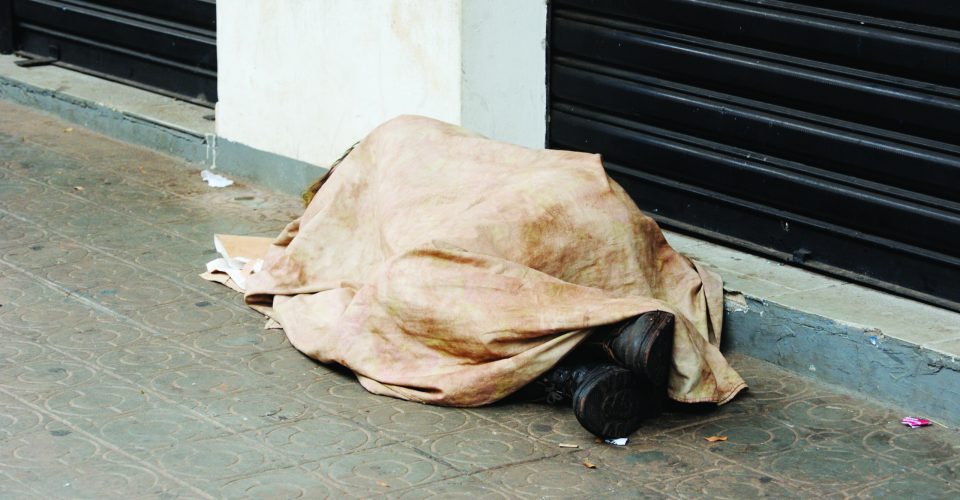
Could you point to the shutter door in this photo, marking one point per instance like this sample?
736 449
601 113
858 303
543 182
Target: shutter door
167 46
829 138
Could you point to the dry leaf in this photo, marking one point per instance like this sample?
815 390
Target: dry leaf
714 439
588 464
568 445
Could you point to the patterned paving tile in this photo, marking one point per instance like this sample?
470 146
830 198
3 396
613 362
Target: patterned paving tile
33 306
466 487
310 380
55 447
137 240
18 419
237 340
380 471
156 428
728 481
19 196
485 446
114 284
92 338
949 472
282 484
12 488
337 392
193 384
94 404
202 226
750 440
911 486
148 358
139 202
187 317
48 252
19 290
898 442
137 290
832 412
46 373
123 374
95 478
554 424
318 436
17 349
207 463
649 459
181 260
83 219
16 233
256 409
563 476
405 420
829 470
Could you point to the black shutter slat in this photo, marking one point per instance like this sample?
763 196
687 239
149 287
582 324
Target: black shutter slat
165 46
785 128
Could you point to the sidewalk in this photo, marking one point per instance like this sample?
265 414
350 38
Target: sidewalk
122 374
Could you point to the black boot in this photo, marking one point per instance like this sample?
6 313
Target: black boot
607 399
643 344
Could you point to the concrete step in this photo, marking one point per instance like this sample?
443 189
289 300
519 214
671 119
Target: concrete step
162 123
842 333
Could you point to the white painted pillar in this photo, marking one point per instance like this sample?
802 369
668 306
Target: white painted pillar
504 91
305 79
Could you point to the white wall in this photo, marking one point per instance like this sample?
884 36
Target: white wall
307 78
504 93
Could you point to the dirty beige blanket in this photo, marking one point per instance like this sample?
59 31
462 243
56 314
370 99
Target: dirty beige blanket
447 268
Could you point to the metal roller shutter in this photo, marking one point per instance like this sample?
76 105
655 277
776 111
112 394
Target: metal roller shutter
829 138
168 46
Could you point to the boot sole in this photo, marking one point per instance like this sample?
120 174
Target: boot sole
645 346
610 403
657 348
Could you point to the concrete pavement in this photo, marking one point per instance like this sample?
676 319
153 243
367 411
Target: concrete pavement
122 374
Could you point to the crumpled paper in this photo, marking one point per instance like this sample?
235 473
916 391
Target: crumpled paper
215 180
240 257
914 422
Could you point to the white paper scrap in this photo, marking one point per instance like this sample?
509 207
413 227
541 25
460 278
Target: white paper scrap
215 180
616 442
235 267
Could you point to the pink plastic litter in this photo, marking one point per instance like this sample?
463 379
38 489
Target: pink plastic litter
915 422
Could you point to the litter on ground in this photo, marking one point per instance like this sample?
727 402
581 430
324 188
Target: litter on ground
215 180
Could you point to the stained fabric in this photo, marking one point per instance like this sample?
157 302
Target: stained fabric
447 268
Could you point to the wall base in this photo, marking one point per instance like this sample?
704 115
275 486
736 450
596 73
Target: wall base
157 122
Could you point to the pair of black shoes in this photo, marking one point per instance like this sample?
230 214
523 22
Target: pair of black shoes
617 379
